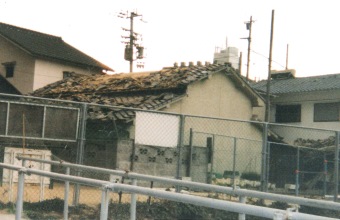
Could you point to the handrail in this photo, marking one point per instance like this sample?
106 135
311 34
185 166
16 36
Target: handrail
195 185
191 199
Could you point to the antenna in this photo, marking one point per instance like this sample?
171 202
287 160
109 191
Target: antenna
133 40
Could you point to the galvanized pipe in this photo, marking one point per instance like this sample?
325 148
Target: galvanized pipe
195 200
217 204
66 195
133 206
20 194
201 186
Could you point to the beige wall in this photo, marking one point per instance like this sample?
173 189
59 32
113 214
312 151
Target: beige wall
218 97
24 68
47 72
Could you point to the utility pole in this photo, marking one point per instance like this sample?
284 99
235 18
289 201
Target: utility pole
249 28
287 57
240 64
267 113
132 41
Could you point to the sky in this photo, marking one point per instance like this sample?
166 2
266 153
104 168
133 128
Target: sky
188 31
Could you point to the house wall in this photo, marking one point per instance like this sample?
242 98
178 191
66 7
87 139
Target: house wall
47 72
24 68
307 101
218 97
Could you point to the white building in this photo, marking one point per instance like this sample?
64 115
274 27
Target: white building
227 55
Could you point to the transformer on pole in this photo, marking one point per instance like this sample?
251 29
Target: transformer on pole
132 41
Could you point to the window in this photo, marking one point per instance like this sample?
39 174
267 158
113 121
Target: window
288 113
326 112
9 67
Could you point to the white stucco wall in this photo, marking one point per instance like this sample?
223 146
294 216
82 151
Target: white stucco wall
307 101
47 72
24 68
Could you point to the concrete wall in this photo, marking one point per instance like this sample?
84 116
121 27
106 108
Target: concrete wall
24 68
307 101
218 97
47 72
161 161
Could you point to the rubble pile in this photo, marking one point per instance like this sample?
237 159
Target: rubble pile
317 144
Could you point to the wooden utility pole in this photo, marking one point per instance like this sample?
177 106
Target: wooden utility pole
249 25
132 38
240 64
131 42
267 113
287 57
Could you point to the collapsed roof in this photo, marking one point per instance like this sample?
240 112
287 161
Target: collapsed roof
148 90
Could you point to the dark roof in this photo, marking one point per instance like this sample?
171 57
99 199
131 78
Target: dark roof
48 46
6 87
300 84
149 90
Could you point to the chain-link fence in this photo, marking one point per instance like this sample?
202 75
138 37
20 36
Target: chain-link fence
246 154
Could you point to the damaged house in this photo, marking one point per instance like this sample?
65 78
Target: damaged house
310 102
206 90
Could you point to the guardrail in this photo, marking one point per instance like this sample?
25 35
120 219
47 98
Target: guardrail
107 186
198 186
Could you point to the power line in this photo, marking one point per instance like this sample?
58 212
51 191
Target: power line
267 58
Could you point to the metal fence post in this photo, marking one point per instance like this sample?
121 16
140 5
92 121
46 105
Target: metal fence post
297 172
268 166
80 151
264 158
104 209
336 167
234 164
242 216
133 205
20 195
179 149
67 190
191 138
325 172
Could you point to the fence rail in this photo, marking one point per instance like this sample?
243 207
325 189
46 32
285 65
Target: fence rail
107 186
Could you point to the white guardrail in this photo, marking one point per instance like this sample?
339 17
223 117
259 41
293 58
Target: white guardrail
107 186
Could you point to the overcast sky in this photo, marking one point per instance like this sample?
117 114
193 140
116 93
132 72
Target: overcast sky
183 31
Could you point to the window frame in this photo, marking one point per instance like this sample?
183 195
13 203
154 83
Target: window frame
282 115
326 108
9 67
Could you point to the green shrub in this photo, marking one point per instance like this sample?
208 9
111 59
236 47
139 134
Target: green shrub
250 176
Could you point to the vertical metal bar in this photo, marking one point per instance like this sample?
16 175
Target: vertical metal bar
242 216
80 151
268 166
297 172
104 204
44 122
179 149
212 157
20 195
7 118
149 199
234 164
336 167
325 174
42 188
264 150
191 138
133 205
66 195
11 177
